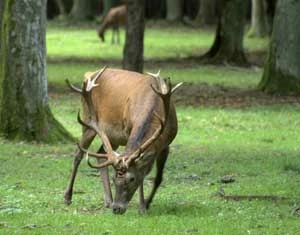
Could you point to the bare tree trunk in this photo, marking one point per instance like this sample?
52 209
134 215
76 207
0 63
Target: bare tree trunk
206 13
228 45
282 70
174 10
133 55
1 16
61 7
259 27
82 10
24 108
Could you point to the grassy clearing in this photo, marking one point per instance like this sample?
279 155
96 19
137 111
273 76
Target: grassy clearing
240 78
257 146
174 41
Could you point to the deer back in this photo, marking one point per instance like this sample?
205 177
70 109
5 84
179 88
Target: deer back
124 103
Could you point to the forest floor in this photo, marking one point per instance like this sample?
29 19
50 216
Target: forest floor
203 93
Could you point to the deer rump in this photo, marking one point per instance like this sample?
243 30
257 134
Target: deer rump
126 109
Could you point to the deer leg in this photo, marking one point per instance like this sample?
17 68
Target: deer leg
142 200
118 36
86 140
105 181
160 164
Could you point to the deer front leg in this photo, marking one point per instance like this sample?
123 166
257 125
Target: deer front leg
87 138
142 206
105 182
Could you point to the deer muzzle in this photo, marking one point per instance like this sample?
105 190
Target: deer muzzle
118 208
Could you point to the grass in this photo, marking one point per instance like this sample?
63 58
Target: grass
257 146
174 41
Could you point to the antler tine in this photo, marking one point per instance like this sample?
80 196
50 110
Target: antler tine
148 142
98 166
91 82
175 87
93 125
73 88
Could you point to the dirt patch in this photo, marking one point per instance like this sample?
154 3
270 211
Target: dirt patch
204 94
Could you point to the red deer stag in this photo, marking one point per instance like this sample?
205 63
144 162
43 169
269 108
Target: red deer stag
114 18
126 109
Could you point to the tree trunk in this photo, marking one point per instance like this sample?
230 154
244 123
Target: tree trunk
154 9
174 10
82 10
133 55
270 12
61 7
228 45
24 109
1 16
259 27
282 70
206 13
107 4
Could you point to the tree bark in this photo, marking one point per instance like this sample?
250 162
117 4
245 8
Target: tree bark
107 4
174 10
206 13
282 70
133 54
82 10
61 7
1 16
228 44
259 27
24 109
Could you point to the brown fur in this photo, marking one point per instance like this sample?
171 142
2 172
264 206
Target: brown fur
129 112
116 17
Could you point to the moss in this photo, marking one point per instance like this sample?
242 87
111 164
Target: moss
19 119
276 81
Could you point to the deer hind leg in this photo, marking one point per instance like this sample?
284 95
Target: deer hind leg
118 35
105 181
160 164
86 140
114 32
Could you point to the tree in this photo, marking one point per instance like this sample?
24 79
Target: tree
228 43
107 4
84 10
1 16
174 10
282 70
259 22
206 12
24 108
133 54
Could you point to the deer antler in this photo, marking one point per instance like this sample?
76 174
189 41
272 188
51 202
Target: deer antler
134 156
73 88
88 85
109 156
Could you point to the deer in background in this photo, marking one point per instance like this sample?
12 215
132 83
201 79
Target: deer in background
116 17
125 109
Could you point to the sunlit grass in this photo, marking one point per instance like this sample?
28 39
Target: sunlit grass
257 146
177 41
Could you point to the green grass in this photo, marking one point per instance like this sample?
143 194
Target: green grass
174 41
242 78
258 146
